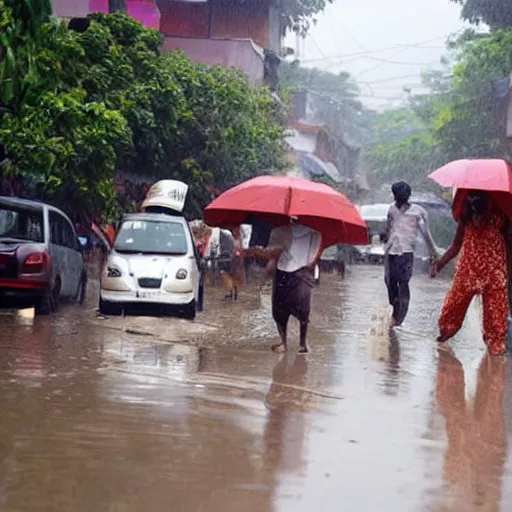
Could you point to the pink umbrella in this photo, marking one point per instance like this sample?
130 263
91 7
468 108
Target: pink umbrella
144 11
493 176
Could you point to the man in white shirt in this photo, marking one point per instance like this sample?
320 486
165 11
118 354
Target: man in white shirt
297 249
405 222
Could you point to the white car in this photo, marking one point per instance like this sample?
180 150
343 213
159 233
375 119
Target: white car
154 264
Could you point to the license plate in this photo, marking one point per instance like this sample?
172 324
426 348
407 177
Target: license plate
149 295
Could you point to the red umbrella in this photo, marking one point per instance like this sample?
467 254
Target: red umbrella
276 199
493 176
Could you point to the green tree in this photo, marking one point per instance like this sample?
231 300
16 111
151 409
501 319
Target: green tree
456 119
299 14
463 117
21 33
401 148
495 13
107 100
49 129
334 98
203 125
71 144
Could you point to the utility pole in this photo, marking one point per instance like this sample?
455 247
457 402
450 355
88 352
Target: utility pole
116 6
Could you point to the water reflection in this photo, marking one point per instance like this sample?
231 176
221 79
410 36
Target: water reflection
285 430
25 316
391 379
477 443
385 348
112 437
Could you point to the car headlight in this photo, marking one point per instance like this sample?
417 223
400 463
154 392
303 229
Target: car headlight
113 272
181 274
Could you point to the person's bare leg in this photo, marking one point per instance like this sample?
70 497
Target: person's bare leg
282 327
303 348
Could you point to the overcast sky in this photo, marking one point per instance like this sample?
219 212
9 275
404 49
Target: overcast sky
352 35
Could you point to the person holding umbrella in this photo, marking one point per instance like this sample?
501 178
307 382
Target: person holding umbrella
296 249
307 217
481 270
482 205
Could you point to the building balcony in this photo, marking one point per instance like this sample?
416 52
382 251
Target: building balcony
243 54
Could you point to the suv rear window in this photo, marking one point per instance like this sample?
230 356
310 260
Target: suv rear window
21 224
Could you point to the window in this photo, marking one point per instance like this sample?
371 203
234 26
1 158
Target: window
55 229
70 239
21 224
185 18
152 237
61 231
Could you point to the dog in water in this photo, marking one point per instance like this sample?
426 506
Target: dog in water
233 276
331 266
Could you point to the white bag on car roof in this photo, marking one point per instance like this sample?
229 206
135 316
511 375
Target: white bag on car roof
169 194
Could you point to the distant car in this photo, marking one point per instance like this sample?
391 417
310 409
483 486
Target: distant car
154 264
373 253
41 259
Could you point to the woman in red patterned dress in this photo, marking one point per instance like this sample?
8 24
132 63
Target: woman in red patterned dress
481 270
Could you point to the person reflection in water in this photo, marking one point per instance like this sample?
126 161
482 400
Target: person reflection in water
481 270
297 249
477 442
405 222
285 429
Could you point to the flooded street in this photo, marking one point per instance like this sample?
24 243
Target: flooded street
115 415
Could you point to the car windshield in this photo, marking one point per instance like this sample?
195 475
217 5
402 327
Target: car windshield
151 237
21 224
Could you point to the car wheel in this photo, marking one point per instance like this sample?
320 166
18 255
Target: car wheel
190 311
48 303
81 293
108 308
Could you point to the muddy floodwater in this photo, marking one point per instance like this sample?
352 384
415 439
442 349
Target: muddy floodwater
150 415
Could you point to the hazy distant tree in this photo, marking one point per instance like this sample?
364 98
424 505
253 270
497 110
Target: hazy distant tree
298 15
496 13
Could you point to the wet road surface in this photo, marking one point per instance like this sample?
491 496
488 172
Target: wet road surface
97 419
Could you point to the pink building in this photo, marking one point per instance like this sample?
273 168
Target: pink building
145 11
245 34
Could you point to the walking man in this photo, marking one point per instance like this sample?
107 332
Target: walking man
405 222
296 248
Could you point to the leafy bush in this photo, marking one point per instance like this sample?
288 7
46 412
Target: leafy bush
90 104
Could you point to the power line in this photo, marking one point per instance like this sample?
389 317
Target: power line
418 45
336 99
390 79
378 66
348 33
393 87
317 45
388 61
